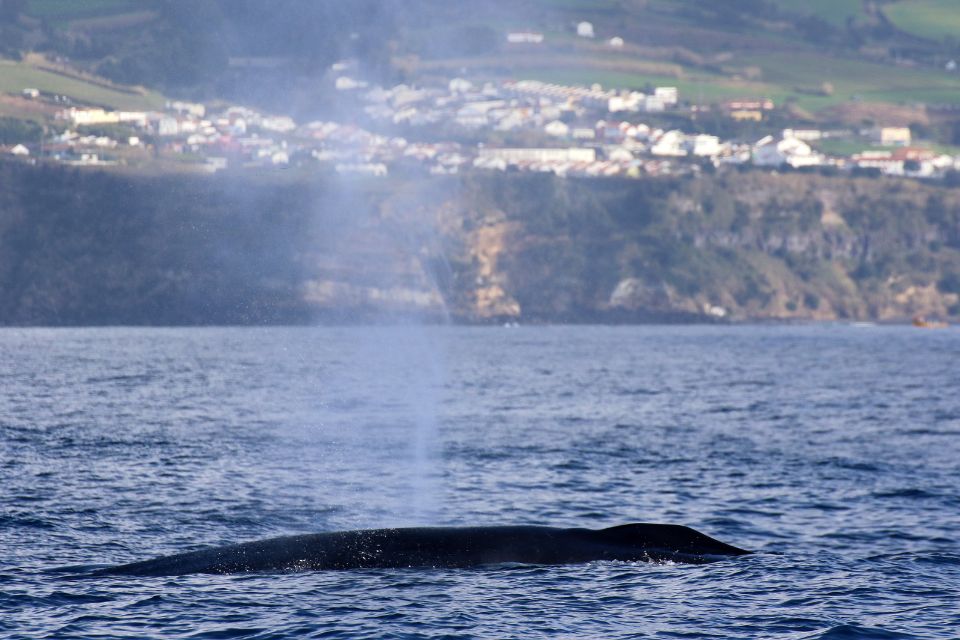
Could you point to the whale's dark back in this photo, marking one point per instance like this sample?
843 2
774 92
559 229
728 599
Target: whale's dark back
442 547
669 537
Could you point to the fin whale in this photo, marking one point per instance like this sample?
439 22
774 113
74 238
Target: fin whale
442 547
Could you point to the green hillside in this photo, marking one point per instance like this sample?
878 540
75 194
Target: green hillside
932 19
17 76
818 54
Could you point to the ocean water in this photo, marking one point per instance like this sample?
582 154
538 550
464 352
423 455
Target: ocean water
833 451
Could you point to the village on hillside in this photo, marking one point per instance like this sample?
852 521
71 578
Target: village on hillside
464 123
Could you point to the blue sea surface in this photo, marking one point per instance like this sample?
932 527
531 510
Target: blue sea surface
832 450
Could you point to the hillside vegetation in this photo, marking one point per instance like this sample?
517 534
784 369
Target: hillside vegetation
936 20
816 55
788 50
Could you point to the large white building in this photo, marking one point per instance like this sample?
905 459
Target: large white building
891 136
514 155
524 37
668 95
557 129
92 116
671 143
771 152
704 145
626 102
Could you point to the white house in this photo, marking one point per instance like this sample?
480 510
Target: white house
652 104
20 150
472 116
168 126
584 133
92 116
639 131
770 152
346 83
557 129
514 155
524 37
370 168
459 85
616 42
512 120
807 135
888 136
187 108
215 163
280 124
667 95
619 154
496 164
585 29
671 143
628 102
704 145
136 118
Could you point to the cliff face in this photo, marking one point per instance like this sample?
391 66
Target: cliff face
94 248
741 246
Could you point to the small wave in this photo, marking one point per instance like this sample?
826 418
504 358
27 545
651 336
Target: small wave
723 409
912 493
856 632
637 392
948 559
231 632
140 378
843 463
825 506
145 602
53 599
26 522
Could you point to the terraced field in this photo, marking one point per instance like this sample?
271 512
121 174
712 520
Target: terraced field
694 46
931 19
17 76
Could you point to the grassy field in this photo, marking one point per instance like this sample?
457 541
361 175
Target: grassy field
61 10
785 76
835 12
835 147
806 72
933 19
795 75
707 90
725 63
17 76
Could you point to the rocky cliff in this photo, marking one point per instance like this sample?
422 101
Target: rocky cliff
98 248
738 245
